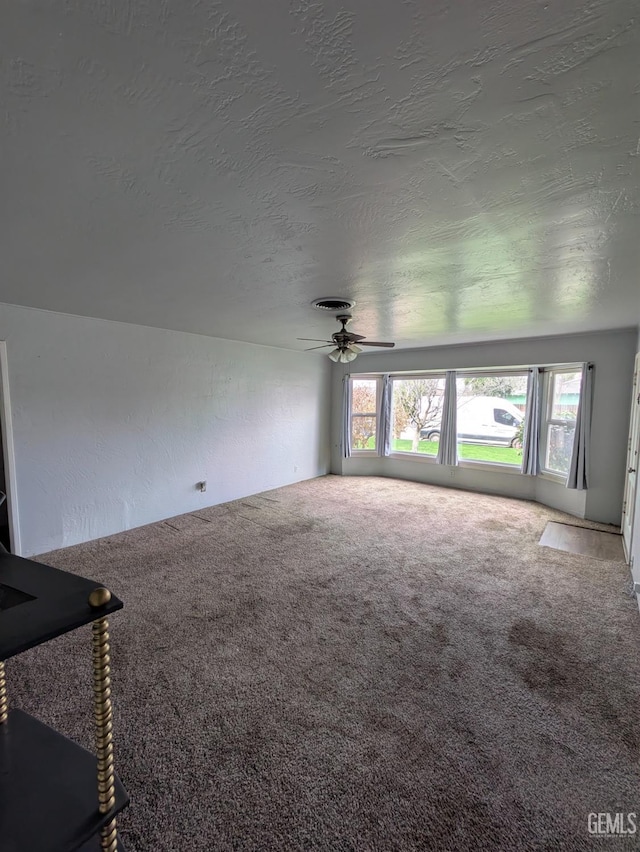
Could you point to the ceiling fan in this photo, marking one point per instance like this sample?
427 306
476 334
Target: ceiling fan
348 345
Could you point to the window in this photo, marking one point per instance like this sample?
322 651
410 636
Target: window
364 414
416 414
490 416
491 407
504 418
562 395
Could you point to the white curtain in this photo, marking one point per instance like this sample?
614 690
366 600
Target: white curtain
532 425
579 470
345 437
448 449
384 419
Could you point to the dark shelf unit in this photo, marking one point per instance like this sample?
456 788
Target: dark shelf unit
49 788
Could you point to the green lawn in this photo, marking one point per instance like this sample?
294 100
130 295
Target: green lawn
503 455
477 452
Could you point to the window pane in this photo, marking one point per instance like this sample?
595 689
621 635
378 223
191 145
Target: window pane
559 447
566 395
363 396
363 432
490 418
363 414
416 415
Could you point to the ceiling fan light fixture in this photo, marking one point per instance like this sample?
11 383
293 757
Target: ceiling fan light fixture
343 356
346 342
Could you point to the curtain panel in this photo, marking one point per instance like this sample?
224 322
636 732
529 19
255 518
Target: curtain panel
448 447
345 436
578 477
532 425
384 418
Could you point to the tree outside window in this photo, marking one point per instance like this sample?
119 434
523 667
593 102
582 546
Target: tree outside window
512 387
417 404
364 418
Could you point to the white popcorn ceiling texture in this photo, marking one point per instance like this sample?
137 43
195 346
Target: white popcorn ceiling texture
464 170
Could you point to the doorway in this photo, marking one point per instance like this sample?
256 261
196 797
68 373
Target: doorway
631 476
9 528
5 537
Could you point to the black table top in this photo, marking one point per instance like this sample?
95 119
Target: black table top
38 603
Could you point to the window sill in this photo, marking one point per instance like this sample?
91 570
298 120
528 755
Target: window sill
464 464
419 457
558 478
493 467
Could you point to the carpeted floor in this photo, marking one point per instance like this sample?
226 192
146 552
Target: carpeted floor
357 664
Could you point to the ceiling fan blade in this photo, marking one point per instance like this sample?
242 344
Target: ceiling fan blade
374 343
354 338
314 339
324 346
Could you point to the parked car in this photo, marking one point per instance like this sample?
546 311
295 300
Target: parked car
483 420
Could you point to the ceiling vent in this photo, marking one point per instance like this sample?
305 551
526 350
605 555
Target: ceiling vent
333 304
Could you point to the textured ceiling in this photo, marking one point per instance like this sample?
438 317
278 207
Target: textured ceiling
464 170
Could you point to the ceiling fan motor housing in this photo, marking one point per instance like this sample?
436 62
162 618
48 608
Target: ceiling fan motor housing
343 337
345 341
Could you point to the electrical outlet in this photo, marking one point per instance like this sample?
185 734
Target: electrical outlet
202 486
636 588
452 473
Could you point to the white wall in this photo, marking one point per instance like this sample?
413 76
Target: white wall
635 539
612 353
113 424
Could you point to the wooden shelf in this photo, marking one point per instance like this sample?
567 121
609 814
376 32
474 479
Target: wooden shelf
49 784
48 794
38 603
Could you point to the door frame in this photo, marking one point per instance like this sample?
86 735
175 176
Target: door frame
8 452
633 452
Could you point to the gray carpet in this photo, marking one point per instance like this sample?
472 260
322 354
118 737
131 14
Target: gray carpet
357 664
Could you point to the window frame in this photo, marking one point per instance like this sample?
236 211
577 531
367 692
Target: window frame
548 378
475 464
399 377
498 373
360 377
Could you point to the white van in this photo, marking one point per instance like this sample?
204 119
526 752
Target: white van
483 420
